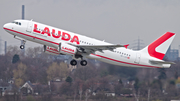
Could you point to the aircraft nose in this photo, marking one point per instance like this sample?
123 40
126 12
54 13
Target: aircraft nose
5 26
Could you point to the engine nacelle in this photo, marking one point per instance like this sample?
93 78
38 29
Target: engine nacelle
64 48
51 50
67 49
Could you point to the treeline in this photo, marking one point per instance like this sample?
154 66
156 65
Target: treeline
92 82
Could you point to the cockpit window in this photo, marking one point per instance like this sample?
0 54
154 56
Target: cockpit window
18 23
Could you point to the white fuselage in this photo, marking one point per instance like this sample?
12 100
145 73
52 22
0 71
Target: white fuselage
51 36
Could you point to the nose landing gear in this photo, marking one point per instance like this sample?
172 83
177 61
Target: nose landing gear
23 43
22 47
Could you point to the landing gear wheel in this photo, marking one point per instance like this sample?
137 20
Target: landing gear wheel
83 62
73 62
22 46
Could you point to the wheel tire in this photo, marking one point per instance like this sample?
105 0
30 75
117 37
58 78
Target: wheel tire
22 47
83 62
73 62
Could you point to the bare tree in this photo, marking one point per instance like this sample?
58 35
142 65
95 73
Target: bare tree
20 74
34 52
85 73
77 88
56 70
87 94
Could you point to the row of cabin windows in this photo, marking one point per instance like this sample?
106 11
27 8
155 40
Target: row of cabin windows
122 53
86 42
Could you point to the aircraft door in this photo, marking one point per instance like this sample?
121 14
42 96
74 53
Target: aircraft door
29 27
138 57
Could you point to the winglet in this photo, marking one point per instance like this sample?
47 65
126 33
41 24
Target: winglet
126 46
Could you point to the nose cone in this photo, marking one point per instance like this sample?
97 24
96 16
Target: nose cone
6 26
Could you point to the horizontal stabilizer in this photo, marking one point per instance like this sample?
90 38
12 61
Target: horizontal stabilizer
161 62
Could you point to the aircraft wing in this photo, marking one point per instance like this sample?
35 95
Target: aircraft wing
93 48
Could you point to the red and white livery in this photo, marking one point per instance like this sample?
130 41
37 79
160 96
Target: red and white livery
57 41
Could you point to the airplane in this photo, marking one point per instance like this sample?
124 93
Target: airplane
61 42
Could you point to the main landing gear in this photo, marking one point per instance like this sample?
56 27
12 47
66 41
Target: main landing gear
23 43
83 62
74 62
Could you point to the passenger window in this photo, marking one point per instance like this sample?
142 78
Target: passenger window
19 23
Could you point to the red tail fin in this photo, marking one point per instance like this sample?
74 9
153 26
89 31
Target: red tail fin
159 47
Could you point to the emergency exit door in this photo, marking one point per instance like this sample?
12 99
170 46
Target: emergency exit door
29 27
138 57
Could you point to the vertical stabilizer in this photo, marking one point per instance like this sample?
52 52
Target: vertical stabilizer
158 48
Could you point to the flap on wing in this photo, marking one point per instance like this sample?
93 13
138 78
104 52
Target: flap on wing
105 47
161 62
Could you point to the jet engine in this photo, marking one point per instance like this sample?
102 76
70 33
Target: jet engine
64 48
51 50
67 49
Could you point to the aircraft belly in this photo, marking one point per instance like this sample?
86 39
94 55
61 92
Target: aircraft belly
13 33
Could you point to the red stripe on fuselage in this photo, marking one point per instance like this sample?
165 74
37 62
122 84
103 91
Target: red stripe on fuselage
67 51
31 36
124 62
52 52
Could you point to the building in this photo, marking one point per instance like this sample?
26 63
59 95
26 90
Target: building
33 88
172 54
7 88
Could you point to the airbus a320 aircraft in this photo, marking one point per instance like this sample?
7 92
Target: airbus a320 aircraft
57 41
